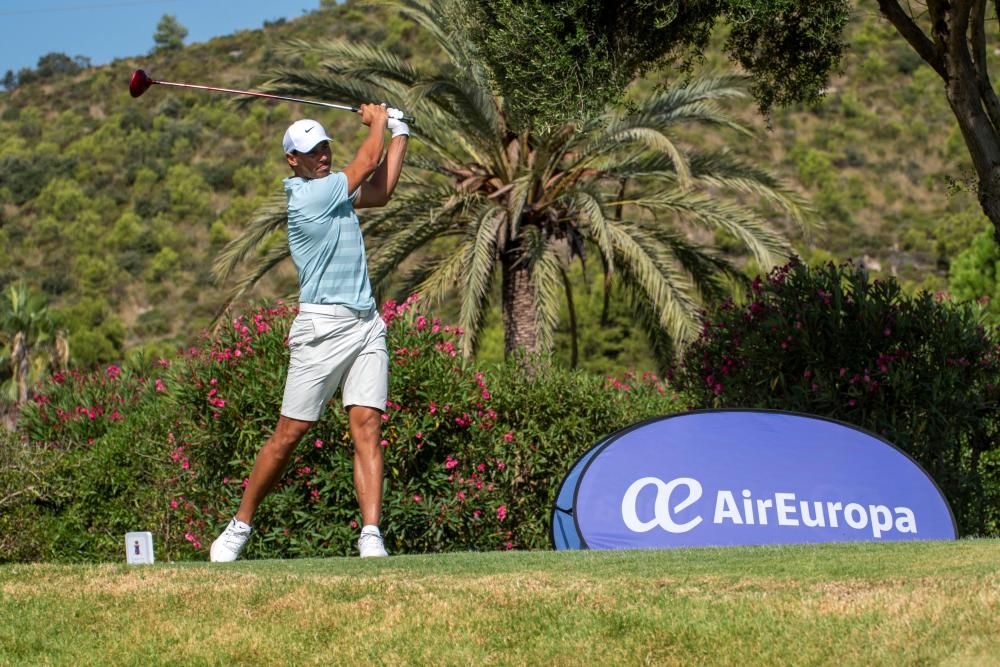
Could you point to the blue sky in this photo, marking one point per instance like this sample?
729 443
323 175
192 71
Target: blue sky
103 30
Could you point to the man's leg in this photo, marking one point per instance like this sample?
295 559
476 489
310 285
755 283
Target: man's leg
366 429
271 463
267 470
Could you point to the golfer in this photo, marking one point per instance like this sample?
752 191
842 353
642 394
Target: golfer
338 337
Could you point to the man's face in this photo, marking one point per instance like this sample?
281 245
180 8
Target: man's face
314 164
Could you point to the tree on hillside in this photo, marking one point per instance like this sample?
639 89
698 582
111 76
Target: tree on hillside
31 344
496 203
169 34
553 59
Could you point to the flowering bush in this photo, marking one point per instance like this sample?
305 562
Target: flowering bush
473 458
918 371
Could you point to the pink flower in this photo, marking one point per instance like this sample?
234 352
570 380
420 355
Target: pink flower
509 546
160 387
318 443
450 463
502 512
384 443
433 408
508 436
354 524
113 371
417 498
173 504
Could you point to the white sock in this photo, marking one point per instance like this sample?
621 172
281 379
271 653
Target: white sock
370 529
240 525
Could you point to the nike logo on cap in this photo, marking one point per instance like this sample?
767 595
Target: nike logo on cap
310 129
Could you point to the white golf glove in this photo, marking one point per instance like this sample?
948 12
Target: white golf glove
396 125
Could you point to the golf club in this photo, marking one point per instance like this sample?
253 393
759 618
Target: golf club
140 83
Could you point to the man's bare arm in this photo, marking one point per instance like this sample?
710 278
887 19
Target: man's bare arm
366 160
377 190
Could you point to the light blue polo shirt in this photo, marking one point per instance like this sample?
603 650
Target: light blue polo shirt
325 239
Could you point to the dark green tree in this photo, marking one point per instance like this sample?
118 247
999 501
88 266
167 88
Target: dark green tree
170 34
555 59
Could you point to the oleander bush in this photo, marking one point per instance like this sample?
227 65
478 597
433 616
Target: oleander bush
473 458
919 371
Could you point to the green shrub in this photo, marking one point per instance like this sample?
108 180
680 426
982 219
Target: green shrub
828 341
473 459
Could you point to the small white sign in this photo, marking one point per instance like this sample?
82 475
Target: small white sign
139 548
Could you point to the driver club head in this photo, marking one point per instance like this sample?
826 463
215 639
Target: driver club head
139 83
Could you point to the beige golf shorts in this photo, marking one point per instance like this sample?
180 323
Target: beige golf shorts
335 347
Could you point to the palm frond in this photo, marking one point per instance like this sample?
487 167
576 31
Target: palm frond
396 247
446 274
479 268
666 286
332 87
439 20
357 60
698 89
266 220
278 253
588 202
767 246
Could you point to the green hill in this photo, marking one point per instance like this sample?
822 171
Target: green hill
116 207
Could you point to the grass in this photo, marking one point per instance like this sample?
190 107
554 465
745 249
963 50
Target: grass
849 604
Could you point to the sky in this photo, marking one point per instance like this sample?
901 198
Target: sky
103 30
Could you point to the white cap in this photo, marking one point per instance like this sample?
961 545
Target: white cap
303 135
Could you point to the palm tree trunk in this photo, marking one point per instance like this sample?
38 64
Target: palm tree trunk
519 312
19 365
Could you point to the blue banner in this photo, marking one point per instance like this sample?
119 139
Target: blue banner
746 477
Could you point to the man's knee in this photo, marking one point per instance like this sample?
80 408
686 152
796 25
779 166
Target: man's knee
288 433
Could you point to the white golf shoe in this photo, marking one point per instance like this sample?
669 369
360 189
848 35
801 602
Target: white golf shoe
370 543
227 546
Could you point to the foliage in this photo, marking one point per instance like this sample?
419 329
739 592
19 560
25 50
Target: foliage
473 458
831 342
515 208
896 194
557 61
975 275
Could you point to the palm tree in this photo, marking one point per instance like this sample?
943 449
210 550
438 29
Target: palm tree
31 344
522 204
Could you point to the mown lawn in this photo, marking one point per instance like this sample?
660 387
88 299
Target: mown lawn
857 604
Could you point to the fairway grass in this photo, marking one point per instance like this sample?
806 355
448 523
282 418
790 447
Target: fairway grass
847 604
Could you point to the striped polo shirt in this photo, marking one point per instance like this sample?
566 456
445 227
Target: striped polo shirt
325 239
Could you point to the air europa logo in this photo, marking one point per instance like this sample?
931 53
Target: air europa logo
782 509
743 477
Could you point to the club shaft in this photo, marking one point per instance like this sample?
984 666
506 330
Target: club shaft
256 94
329 105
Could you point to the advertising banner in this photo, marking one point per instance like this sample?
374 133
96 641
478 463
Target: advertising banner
745 477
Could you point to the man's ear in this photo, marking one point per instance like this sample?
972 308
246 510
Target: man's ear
293 160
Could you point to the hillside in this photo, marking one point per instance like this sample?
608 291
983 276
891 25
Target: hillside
116 207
